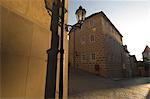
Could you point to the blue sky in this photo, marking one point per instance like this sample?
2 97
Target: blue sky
131 18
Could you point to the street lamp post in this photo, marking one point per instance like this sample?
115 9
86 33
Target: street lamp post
50 86
61 51
56 8
80 15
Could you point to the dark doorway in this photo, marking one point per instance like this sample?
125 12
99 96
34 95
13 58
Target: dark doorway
97 69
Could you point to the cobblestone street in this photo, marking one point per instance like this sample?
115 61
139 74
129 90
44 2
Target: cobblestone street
83 85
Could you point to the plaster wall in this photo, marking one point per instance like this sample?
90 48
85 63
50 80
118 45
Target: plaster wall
25 37
24 46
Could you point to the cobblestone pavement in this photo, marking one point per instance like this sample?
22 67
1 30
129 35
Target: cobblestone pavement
83 85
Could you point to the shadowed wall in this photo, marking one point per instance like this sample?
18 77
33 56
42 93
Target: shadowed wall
0 50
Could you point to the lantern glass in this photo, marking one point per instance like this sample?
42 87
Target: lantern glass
80 14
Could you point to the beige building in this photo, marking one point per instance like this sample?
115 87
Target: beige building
24 40
97 47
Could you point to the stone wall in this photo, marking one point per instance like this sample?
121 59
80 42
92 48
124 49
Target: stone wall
126 63
113 49
133 63
107 47
24 58
84 47
25 39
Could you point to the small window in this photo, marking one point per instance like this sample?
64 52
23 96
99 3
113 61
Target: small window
83 57
83 40
97 68
93 56
92 38
92 23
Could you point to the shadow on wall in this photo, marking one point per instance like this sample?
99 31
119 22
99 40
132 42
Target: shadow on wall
148 95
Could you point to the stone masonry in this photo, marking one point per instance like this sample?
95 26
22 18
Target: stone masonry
97 47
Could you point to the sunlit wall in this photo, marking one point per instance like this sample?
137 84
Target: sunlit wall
25 39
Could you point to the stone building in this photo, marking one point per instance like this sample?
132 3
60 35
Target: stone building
127 70
141 68
24 39
97 47
146 54
133 64
146 59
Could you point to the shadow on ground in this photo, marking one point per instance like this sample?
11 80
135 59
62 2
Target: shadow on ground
83 83
148 95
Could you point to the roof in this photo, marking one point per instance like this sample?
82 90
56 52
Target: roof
103 14
147 49
140 62
133 56
125 48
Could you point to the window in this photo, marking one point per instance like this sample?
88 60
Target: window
83 57
92 38
92 23
97 68
93 56
83 40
